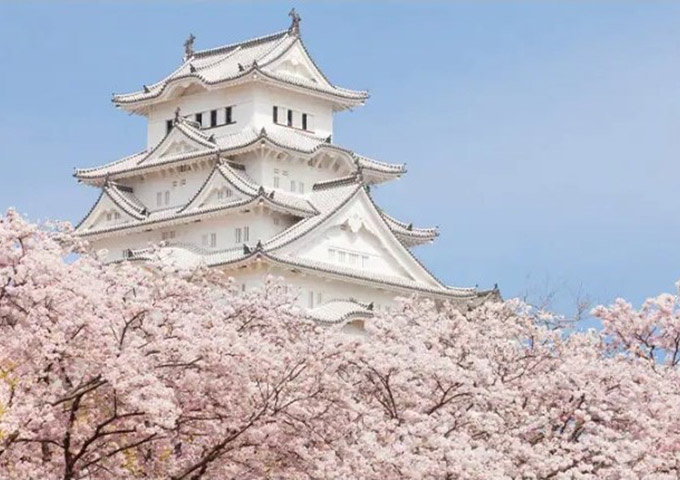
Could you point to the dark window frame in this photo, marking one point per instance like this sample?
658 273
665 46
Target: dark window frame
213 118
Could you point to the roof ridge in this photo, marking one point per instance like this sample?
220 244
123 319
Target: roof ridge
335 182
244 44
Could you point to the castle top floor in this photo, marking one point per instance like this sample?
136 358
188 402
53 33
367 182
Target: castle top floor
262 82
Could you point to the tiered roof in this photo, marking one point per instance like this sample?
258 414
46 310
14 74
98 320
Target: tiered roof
293 141
248 61
327 205
327 202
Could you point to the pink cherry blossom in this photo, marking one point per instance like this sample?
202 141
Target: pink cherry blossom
134 370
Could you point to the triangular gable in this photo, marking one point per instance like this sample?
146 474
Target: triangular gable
295 63
356 235
106 212
181 140
222 187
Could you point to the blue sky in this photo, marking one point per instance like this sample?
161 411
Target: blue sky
542 138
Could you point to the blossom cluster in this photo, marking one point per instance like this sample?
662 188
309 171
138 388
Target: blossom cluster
134 370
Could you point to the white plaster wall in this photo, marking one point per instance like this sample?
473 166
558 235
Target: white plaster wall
266 96
240 96
330 289
261 224
145 190
252 108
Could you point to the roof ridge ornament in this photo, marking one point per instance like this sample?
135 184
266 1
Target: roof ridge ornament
294 28
189 46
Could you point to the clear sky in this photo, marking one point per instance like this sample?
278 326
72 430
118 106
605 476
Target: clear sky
543 138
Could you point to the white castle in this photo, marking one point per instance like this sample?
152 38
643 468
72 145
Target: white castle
241 173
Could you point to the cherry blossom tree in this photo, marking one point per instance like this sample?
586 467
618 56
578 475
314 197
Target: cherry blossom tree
134 370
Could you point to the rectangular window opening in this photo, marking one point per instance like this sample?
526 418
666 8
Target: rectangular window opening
227 115
290 118
275 114
304 121
213 118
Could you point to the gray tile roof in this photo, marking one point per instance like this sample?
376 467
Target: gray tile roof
240 62
234 143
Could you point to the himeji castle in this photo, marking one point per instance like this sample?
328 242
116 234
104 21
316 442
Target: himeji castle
241 172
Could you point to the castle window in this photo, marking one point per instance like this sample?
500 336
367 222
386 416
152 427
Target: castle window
292 185
275 114
237 235
184 168
162 198
199 118
310 299
364 261
304 121
168 235
213 240
341 257
276 181
168 126
246 234
227 116
108 216
290 118
213 118
301 187
224 193
319 298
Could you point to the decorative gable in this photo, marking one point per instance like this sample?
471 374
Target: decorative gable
220 189
296 64
104 214
178 148
357 237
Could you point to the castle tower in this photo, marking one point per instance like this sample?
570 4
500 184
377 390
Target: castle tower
241 173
